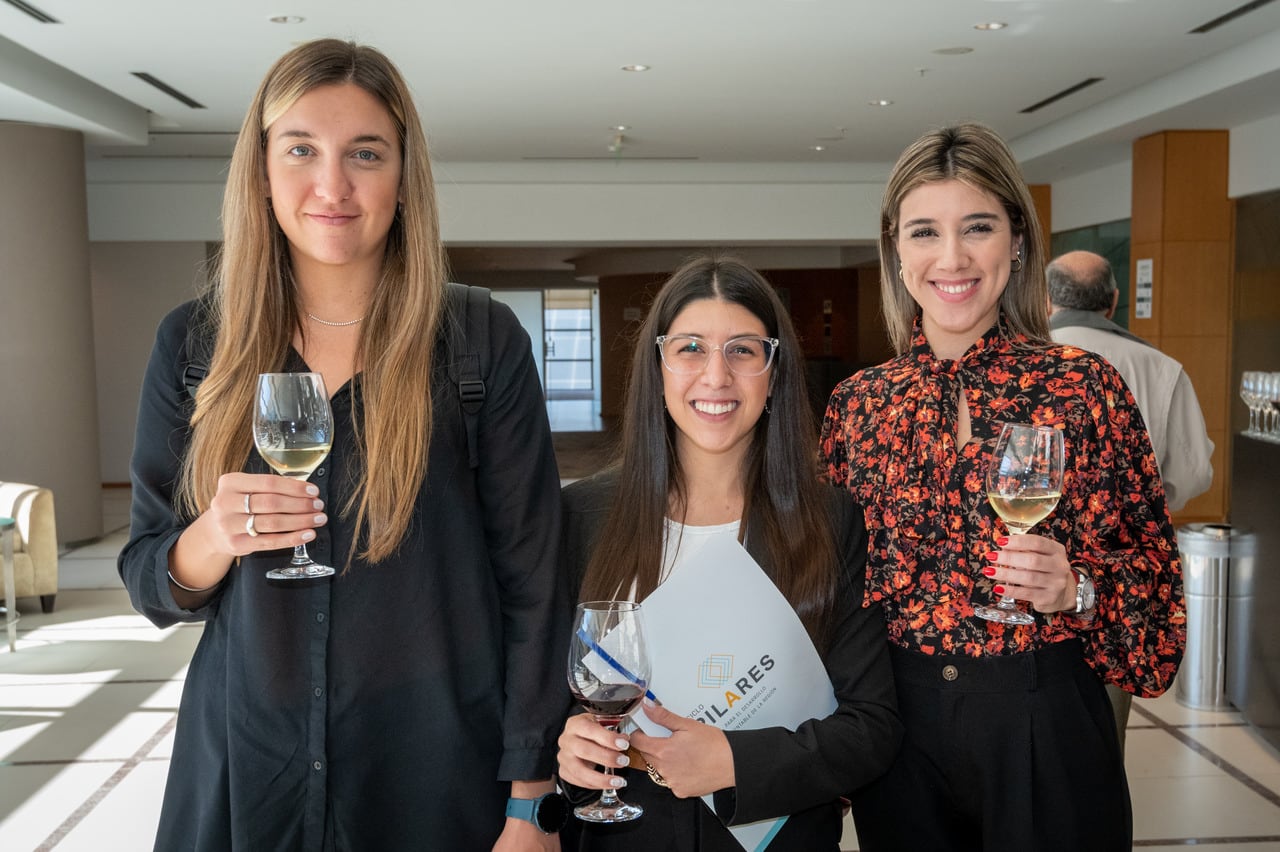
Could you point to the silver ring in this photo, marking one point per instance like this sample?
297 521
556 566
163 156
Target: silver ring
247 510
248 527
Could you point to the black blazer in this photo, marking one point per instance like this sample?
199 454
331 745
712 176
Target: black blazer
778 772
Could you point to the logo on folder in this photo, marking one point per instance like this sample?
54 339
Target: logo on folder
715 671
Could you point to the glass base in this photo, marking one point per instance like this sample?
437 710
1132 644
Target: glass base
1005 615
601 812
300 572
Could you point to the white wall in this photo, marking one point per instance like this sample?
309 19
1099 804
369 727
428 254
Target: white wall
503 203
1255 157
1094 197
134 285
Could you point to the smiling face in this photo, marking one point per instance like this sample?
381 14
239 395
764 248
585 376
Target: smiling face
715 411
957 247
333 174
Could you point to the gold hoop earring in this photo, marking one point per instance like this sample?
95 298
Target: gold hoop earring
1017 260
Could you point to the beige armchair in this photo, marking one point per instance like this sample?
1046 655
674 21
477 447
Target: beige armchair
35 541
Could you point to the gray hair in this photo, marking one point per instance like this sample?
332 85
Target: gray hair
1083 290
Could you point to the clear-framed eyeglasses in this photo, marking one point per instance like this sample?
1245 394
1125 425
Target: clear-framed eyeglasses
745 356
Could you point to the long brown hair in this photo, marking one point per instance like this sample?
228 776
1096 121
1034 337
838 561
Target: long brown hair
976 155
254 306
784 503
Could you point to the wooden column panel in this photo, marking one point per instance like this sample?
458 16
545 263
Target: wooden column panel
1192 293
1183 222
1042 197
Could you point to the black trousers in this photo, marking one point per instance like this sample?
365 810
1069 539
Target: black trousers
1001 753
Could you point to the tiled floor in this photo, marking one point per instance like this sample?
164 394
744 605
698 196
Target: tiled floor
88 704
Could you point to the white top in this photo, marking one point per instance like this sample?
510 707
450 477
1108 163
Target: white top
1168 404
674 532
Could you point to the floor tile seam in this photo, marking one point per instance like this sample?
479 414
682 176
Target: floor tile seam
1213 757
77 761
135 680
87 806
1189 726
1201 841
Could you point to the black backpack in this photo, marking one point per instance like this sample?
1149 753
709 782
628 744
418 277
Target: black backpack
466 324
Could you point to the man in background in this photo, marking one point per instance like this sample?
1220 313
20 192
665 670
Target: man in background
1082 300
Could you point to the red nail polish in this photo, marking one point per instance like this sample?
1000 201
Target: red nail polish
993 556
1002 541
999 590
989 571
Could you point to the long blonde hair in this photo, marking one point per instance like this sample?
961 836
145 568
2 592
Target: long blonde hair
254 306
976 155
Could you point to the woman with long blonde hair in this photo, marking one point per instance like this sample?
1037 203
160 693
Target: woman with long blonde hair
1010 742
318 714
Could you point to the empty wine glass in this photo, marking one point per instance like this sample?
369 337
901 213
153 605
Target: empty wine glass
1271 402
1024 484
293 431
609 675
1250 393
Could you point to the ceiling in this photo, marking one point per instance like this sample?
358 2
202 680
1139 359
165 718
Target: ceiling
730 81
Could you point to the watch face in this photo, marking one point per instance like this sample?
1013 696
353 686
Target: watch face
1087 596
551 813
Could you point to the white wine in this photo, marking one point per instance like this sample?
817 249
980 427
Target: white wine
1026 509
297 461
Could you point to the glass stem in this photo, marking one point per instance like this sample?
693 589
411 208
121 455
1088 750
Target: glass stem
609 795
300 556
1007 602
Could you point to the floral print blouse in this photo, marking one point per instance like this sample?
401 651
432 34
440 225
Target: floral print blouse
889 436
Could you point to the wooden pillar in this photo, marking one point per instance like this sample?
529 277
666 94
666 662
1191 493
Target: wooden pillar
1182 226
1042 197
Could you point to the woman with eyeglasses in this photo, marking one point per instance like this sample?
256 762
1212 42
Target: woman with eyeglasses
718 441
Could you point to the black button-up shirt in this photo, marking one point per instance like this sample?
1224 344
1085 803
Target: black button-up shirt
389 706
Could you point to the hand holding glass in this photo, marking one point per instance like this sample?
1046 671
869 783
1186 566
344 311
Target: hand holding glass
609 675
1024 484
293 431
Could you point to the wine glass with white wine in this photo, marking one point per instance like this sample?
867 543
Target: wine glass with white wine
293 431
1024 484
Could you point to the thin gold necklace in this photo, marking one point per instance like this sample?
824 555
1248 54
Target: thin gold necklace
312 316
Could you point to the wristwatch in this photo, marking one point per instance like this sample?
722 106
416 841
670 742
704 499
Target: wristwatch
548 812
1086 595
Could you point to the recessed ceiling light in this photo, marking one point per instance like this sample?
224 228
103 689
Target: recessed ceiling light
990 26
880 102
953 51
286 19
620 127
817 147
635 67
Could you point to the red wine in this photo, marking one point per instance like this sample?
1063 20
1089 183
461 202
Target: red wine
613 701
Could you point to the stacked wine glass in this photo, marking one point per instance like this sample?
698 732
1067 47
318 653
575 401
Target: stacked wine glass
1261 393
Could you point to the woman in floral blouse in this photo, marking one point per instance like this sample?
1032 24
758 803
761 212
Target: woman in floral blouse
1010 741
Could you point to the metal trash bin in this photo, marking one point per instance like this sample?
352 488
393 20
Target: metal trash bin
1219 596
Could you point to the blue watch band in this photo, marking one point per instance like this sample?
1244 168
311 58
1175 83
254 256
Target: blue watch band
524 809
547 812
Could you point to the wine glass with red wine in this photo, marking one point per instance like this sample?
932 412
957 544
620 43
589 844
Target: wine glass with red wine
609 675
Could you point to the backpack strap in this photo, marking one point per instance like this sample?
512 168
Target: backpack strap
199 350
467 323
469 356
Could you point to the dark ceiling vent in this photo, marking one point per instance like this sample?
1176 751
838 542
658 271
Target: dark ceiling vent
168 90
27 8
1070 90
1218 21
